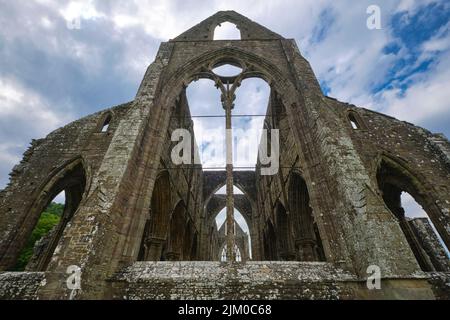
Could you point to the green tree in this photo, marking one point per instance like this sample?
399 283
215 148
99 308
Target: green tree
48 219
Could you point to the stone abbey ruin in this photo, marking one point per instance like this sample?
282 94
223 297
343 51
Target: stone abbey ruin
137 226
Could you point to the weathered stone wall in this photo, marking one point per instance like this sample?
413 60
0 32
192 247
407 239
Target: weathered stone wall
422 159
272 189
186 181
430 243
215 280
20 285
42 162
440 283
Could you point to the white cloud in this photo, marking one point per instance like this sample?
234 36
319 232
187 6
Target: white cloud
251 99
18 102
24 115
6 156
425 99
84 9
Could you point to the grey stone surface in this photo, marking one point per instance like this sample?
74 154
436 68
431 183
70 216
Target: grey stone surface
20 285
215 280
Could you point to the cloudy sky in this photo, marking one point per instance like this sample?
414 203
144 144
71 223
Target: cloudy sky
53 70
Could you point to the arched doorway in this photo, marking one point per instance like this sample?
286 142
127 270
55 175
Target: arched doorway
179 234
156 228
395 182
284 237
242 235
49 219
308 244
270 242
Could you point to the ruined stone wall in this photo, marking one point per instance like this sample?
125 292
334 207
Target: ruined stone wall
204 31
186 179
20 285
272 189
215 280
431 243
42 162
106 232
422 160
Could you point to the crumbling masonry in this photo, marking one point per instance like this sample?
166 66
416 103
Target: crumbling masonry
137 226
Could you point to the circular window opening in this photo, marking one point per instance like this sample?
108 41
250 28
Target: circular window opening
227 70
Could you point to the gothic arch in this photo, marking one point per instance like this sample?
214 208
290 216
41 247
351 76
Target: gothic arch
238 247
105 120
284 237
308 243
219 23
354 120
70 177
269 241
221 184
257 67
157 224
393 177
178 234
241 206
195 68
222 19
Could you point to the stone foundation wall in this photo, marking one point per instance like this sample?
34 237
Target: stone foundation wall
20 285
250 280
440 282
216 280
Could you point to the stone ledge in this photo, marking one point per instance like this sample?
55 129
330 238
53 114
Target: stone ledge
255 270
20 285
217 280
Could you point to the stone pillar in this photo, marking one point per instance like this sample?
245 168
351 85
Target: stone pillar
306 249
228 105
287 256
173 256
430 243
154 247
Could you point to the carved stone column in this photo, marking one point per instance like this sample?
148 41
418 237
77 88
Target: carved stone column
306 249
153 248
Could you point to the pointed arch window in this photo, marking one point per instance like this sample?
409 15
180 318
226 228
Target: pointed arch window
415 210
50 217
355 120
106 123
227 31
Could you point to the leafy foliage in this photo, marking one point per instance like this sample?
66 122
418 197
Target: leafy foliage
55 208
48 219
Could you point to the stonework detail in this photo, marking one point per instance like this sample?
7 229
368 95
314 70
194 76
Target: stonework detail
140 227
